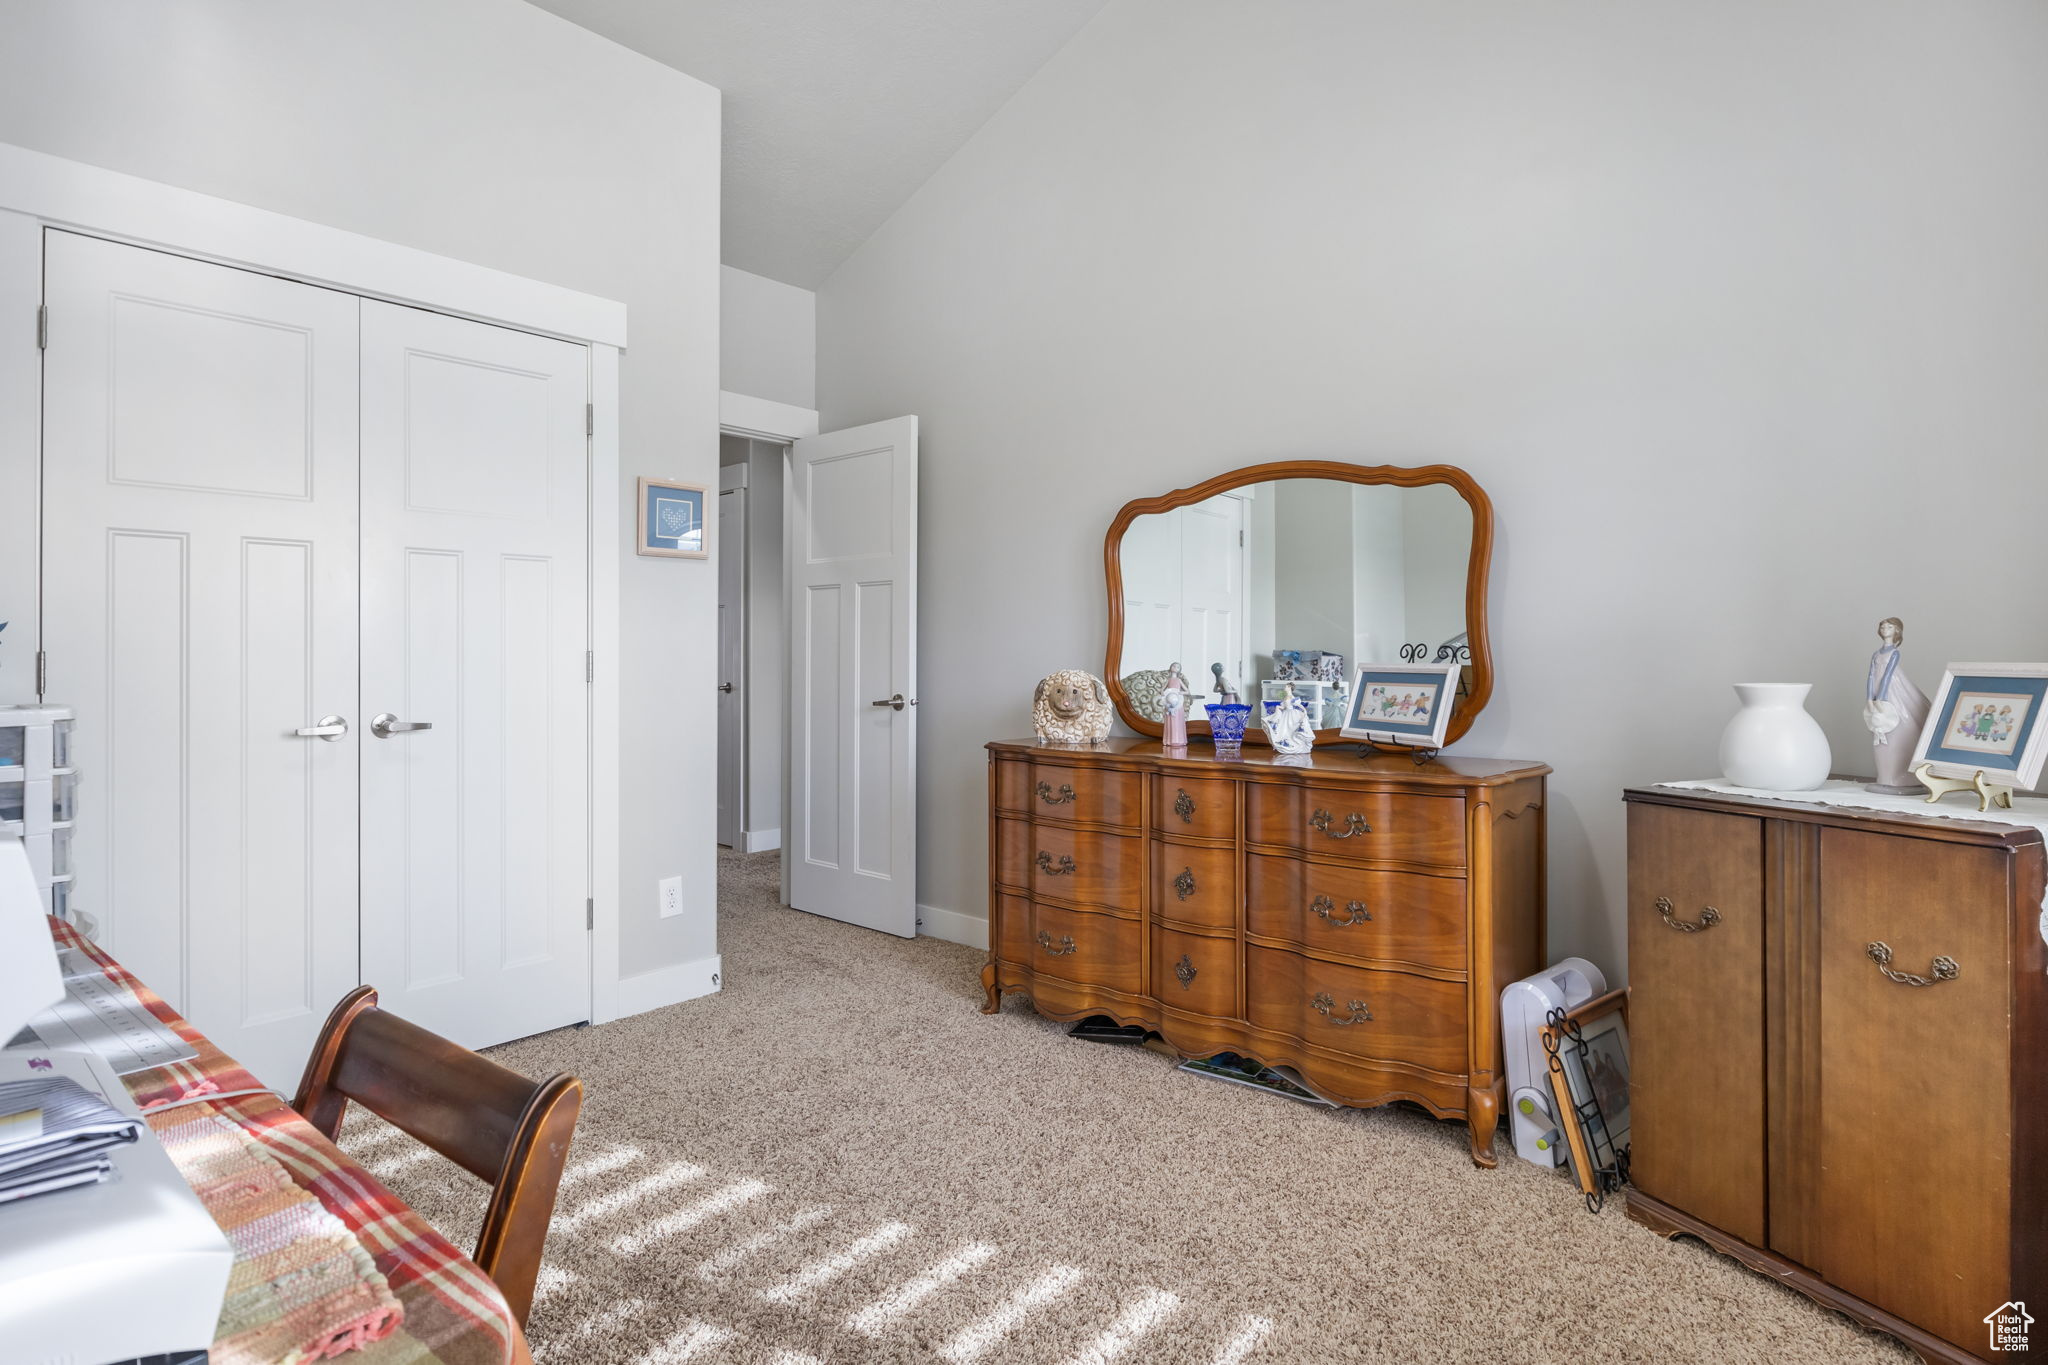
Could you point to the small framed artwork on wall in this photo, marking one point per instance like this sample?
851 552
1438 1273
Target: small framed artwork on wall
672 520
1402 704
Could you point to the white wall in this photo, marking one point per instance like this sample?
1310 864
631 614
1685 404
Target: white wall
489 131
1737 310
768 338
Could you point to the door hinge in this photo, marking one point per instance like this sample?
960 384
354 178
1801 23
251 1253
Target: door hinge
590 665
590 912
590 419
42 327
42 674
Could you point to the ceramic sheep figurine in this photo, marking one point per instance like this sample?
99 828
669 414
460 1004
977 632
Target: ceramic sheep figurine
1071 707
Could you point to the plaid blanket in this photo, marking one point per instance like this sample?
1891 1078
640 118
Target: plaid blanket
454 1315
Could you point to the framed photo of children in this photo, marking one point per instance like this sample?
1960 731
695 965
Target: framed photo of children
1987 718
1402 704
672 520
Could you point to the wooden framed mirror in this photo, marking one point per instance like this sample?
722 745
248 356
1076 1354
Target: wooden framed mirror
1376 563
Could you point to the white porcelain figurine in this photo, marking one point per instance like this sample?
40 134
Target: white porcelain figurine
1289 729
1894 711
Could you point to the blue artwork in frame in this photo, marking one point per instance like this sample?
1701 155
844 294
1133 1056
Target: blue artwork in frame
1988 718
672 522
1402 704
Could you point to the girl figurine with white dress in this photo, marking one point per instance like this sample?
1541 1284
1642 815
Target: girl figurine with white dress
1894 711
1289 729
1173 700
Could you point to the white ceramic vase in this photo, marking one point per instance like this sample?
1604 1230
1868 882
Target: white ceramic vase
1772 744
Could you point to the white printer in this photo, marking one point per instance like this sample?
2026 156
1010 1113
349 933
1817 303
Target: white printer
1523 1008
133 1266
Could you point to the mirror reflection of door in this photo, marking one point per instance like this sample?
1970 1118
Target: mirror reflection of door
1184 593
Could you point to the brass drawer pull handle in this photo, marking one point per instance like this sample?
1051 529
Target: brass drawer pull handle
1326 908
1322 1004
1066 943
1065 867
1065 798
1184 806
1185 971
1709 917
1944 968
1184 884
1354 824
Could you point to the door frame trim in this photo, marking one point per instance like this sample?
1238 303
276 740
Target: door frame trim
39 191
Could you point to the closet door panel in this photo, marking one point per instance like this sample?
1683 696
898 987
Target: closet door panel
200 571
475 623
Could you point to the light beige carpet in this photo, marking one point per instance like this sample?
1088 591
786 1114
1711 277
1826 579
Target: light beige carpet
838 1159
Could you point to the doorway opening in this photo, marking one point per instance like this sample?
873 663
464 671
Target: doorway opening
752 644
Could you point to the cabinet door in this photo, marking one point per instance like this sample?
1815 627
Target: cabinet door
1916 1119
1696 1013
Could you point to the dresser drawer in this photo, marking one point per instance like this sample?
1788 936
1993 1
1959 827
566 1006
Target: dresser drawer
1103 796
1194 885
1357 911
1388 1016
1194 972
1011 933
1346 823
1202 808
1086 948
1085 865
1012 853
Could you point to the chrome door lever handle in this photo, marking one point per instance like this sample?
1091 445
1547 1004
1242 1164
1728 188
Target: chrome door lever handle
894 703
385 725
330 728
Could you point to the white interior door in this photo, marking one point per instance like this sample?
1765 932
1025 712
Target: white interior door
475 582
732 684
199 579
1212 626
852 555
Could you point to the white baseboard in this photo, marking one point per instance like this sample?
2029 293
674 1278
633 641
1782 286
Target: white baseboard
665 986
762 840
952 926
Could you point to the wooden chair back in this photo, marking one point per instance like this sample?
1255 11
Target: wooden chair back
490 1120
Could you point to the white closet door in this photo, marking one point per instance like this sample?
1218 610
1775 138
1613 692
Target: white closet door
475 831
852 555
1212 626
199 571
732 608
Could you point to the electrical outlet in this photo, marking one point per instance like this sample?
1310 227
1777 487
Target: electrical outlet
671 896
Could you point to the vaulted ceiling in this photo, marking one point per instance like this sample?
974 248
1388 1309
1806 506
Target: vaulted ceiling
836 111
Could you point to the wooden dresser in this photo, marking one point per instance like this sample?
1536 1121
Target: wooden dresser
1840 1070
1354 918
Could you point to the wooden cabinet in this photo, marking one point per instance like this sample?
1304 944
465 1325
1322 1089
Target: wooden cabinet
1840 1075
1354 918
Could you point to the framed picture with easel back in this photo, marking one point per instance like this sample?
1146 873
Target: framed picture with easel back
1986 720
672 520
1406 704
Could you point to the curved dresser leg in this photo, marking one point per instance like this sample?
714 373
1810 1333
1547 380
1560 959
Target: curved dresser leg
994 1003
1482 1111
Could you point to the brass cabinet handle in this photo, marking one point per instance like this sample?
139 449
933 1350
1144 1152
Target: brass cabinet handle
1061 868
1326 908
1322 1004
1354 824
1184 806
1066 943
1709 917
1943 968
1184 884
1185 971
1065 798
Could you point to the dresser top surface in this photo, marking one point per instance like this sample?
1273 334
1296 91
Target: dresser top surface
1341 759
1950 826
